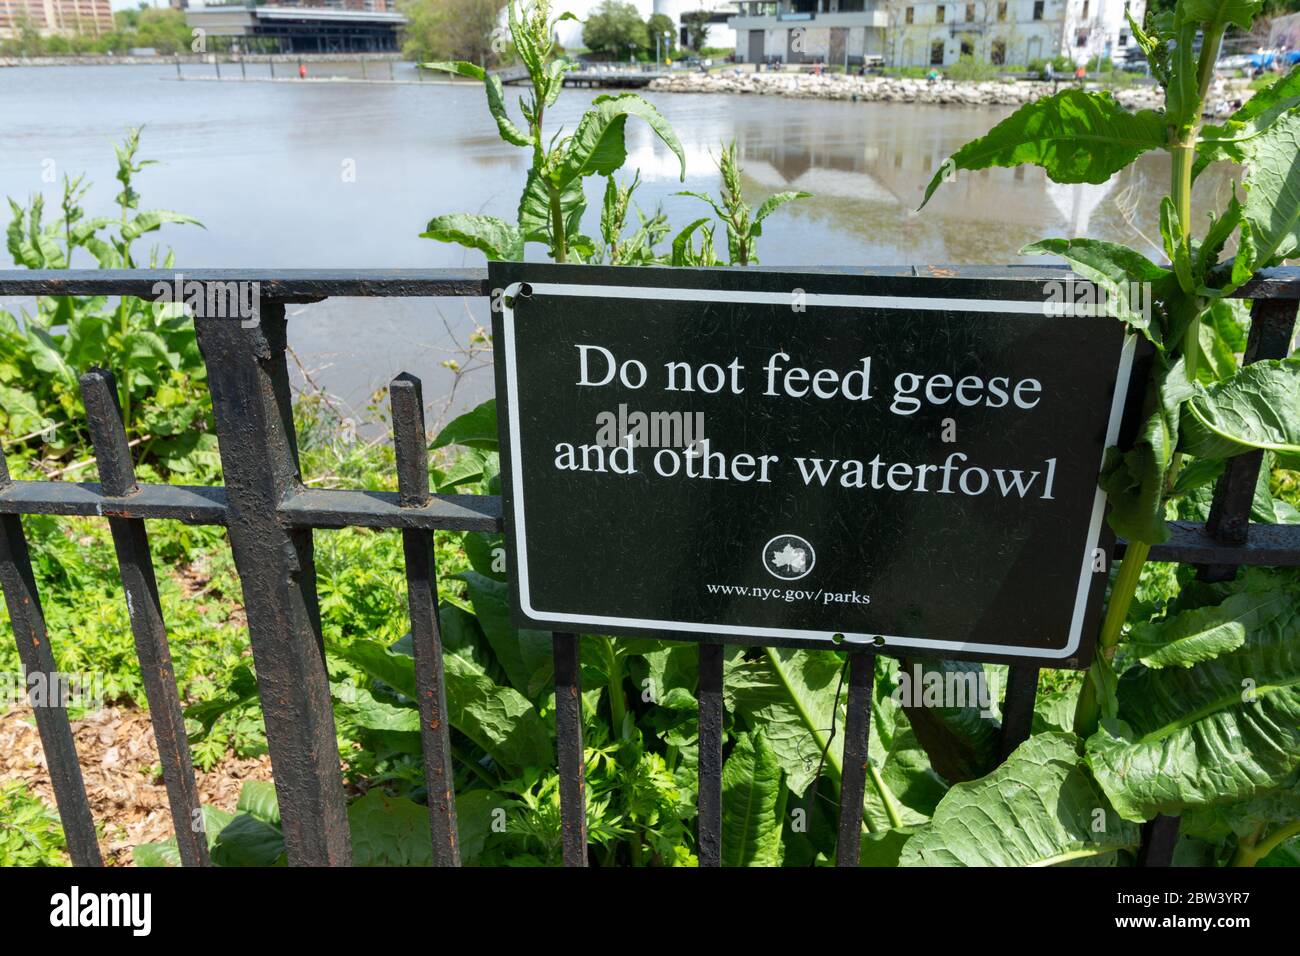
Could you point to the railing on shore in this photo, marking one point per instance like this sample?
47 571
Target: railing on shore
270 516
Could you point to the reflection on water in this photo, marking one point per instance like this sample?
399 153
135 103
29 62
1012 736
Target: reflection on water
262 165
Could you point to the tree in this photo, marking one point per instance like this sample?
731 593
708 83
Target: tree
697 28
661 25
614 28
452 30
162 28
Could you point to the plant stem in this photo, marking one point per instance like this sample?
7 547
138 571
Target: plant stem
1182 163
1251 852
1088 708
559 245
617 705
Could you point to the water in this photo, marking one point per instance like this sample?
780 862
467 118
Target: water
303 175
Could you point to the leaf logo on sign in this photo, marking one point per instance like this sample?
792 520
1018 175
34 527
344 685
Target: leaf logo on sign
788 557
792 558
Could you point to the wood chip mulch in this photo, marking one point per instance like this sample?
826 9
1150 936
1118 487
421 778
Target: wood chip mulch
119 763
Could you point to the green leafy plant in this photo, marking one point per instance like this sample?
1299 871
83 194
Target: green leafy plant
553 201
30 834
149 347
1197 710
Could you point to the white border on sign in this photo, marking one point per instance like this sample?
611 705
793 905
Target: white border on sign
810 299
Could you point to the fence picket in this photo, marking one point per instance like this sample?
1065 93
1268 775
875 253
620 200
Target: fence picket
253 411
131 542
709 801
1017 708
24 604
857 746
568 747
407 399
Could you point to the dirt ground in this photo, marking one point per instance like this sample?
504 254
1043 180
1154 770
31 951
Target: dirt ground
119 762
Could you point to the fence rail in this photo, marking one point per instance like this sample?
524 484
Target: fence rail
270 516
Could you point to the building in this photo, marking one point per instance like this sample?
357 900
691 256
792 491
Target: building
302 29
809 31
56 17
928 33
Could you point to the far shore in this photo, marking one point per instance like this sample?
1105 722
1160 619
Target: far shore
165 59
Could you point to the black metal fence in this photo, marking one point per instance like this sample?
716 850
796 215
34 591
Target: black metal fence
270 515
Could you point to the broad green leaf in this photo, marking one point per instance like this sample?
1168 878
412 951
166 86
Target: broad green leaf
1244 819
257 798
884 848
774 202
597 144
389 831
1216 237
374 714
486 554
24 415
1038 808
1074 135
1272 184
248 841
496 97
1118 270
789 696
683 251
499 719
467 467
753 804
152 219
1221 731
1237 12
474 817
468 70
477 428
1258 408
1134 480
1182 92
1255 115
961 742
523 653
168 854
157 854
1204 633
389 665
534 211
495 238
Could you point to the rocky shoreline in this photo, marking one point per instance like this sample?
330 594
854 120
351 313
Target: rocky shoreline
881 89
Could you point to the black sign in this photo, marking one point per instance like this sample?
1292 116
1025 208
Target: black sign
806 459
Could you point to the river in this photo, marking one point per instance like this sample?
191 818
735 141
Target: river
319 175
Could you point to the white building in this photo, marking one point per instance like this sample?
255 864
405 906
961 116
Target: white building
721 34
929 33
